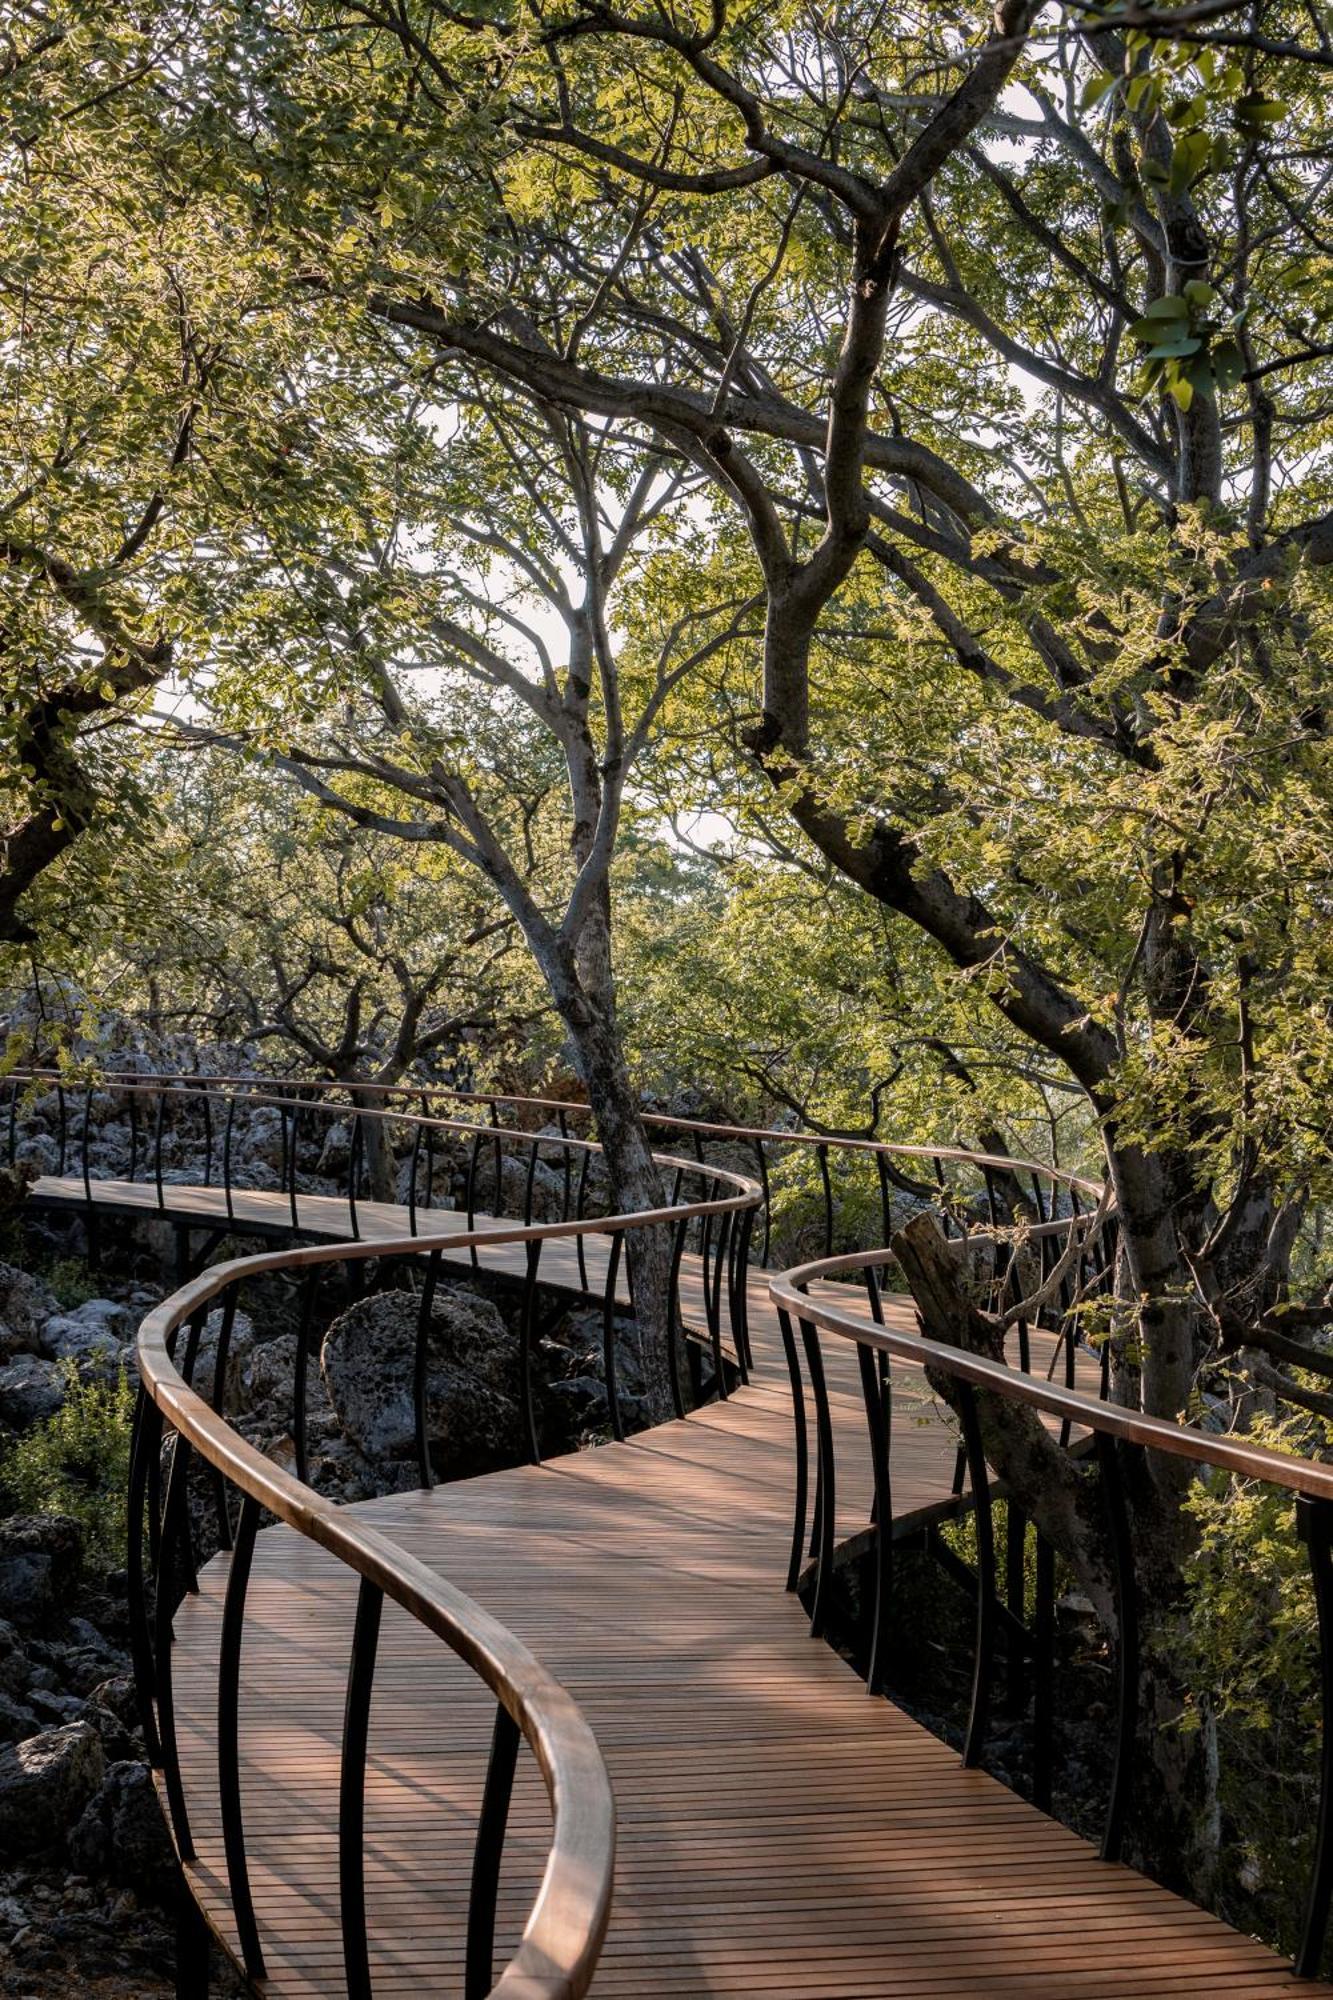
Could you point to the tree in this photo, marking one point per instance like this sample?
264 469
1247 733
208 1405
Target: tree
487 705
1042 537
144 348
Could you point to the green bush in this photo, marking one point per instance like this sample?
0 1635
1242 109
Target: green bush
69 1279
77 1462
1253 1639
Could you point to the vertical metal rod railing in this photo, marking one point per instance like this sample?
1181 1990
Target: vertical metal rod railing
1127 1642
479 1969
352 1791
526 1342
1314 1525
983 1656
609 1370
228 1726
421 1373
300 1374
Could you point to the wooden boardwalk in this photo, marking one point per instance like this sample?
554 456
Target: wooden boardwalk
780 1833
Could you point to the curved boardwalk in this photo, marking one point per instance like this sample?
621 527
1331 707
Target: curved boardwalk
780 1833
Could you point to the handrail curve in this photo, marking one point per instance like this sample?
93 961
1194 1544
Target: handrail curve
1114 1430
562 1938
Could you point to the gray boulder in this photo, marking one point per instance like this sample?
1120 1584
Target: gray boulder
92 1336
30 1389
45 1783
472 1414
26 1304
240 1353
122 1833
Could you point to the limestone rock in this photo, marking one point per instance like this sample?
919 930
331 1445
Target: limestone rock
45 1783
30 1390
367 1364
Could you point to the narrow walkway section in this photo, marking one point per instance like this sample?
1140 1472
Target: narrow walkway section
780 1832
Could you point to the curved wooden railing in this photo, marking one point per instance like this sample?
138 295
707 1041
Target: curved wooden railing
1114 1432
561 1939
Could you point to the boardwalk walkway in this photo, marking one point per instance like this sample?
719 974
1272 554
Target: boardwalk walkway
780 1833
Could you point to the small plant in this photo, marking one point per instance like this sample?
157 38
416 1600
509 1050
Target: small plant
77 1462
69 1279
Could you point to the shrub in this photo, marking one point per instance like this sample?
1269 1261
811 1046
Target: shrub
77 1462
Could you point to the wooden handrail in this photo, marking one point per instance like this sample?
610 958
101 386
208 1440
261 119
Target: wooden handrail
752 1134
789 1291
561 1940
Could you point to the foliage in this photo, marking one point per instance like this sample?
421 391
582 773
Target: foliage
77 1462
1253 1658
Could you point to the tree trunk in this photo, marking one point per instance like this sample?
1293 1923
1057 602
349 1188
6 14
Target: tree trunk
1174 1819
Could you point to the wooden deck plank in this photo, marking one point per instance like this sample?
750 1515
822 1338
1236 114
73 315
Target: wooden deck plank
780 1833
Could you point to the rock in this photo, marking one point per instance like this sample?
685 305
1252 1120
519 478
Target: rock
240 1349
17 1720
93 1351
40 1555
472 1380
122 1833
45 1783
113 1710
27 1590
93 1335
14 1670
30 1390
25 1309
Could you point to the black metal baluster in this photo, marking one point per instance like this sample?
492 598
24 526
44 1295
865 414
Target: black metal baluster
300 1373
291 1167
470 1193
880 1434
229 1766
421 1373
226 1155
208 1138
885 1200
13 1140
352 1791
762 1158
176 1508
417 1130
1314 1525
742 1233
530 1183
157 1149
430 1163
488 1855
675 1323
285 1154
567 1187
83 1145
585 1168
145 1446
1015 1597
353 1174
526 1329
1043 1675
821 1152
801 1491
609 1336
825 1490
498 1156
217 1399
1127 1643
983 1658
134 1131
63 1128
